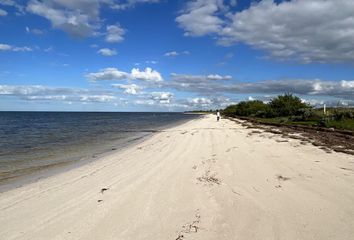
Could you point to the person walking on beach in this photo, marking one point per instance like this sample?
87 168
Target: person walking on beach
217 115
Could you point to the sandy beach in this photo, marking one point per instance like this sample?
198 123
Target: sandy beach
199 180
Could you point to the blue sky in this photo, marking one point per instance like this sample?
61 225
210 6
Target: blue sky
151 55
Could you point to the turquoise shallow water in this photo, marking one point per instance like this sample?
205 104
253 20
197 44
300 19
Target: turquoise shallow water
33 141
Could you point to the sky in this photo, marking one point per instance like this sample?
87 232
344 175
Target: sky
173 55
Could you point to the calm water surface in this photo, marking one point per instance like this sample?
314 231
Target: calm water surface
33 141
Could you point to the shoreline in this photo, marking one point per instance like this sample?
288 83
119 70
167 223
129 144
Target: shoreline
86 157
199 180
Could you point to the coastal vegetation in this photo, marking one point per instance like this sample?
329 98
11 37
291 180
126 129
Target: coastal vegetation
290 110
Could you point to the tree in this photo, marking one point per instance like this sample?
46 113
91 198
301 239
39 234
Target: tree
247 108
286 105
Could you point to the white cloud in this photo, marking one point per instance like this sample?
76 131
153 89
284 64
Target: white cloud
151 62
175 53
218 77
233 3
145 102
200 101
22 49
132 89
308 30
301 30
156 99
34 31
48 49
114 33
130 3
44 93
186 78
12 3
206 102
171 54
161 97
217 84
6 47
48 97
97 98
108 74
200 17
148 75
2 13
107 52
37 90
79 18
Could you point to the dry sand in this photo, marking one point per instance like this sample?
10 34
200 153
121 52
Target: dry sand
200 180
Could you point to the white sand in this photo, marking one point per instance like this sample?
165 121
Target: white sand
154 191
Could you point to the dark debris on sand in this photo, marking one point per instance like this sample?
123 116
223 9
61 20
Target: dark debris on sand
328 139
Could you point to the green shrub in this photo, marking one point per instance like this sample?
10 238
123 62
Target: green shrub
309 114
247 108
342 114
230 111
287 105
251 108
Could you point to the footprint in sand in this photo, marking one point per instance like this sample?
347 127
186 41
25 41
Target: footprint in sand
209 178
281 179
191 227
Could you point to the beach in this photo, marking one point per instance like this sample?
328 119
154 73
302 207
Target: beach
199 180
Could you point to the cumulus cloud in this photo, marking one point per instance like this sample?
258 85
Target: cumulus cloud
2 13
156 99
132 89
201 17
340 89
185 78
107 52
108 74
309 30
130 3
161 97
79 18
302 30
217 84
6 47
97 98
200 101
44 93
196 83
37 90
206 103
114 33
148 75
34 31
13 3
201 84
175 53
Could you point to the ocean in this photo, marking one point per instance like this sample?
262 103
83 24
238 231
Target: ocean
32 142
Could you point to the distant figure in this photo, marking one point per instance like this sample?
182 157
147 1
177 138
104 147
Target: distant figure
217 115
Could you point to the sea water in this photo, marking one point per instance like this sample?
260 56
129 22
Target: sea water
35 141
